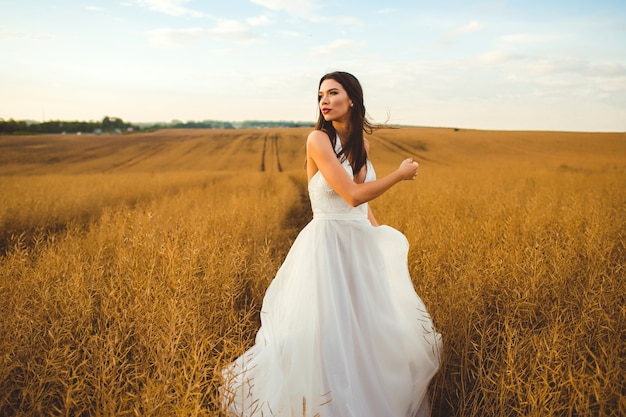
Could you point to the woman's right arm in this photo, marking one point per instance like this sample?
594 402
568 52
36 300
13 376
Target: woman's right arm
321 152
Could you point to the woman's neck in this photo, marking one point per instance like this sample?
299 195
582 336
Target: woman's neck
343 130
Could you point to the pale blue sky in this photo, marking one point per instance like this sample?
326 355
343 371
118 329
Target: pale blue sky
556 65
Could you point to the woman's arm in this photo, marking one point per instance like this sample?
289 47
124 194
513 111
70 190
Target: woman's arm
320 151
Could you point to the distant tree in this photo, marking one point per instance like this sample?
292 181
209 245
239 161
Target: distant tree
11 126
108 124
205 124
111 124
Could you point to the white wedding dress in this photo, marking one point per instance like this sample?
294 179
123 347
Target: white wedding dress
343 333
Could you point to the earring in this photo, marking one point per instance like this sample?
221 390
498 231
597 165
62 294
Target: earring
351 104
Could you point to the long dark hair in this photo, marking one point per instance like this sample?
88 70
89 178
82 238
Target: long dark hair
354 149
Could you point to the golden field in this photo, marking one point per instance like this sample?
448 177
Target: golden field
132 268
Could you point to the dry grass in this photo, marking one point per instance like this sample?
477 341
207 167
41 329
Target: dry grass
131 277
525 277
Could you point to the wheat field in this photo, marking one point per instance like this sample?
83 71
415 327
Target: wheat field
133 267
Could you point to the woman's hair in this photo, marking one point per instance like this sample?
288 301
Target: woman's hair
354 149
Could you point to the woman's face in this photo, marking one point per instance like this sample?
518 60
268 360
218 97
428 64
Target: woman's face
334 102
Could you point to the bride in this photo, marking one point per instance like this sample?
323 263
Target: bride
343 333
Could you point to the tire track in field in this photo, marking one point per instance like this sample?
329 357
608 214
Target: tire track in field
270 150
404 150
263 154
277 153
300 213
140 155
230 150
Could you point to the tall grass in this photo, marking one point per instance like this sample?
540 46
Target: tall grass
134 312
524 275
125 288
47 203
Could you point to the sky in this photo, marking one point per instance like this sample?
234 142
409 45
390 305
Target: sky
513 65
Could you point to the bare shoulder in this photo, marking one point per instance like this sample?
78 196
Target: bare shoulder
317 140
317 135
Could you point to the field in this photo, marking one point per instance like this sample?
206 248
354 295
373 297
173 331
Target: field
133 267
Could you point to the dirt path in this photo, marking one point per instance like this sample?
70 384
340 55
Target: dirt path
299 214
270 154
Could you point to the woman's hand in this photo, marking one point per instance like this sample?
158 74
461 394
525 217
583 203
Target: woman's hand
408 169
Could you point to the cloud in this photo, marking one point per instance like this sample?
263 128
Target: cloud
5 34
175 37
553 78
336 47
169 7
472 26
342 21
231 30
94 8
259 21
609 69
290 34
295 7
349 21
305 9
498 57
529 38
385 11
538 66
446 43
226 30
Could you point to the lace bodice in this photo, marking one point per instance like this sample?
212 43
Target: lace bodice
327 204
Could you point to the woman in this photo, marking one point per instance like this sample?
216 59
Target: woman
343 333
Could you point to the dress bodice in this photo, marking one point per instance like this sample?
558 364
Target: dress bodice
325 201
